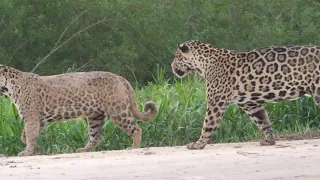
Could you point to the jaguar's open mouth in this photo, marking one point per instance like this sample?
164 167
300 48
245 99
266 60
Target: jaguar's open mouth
179 72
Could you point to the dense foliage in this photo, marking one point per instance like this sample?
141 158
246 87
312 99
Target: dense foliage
133 37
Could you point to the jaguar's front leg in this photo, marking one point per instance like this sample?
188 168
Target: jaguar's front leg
214 114
24 138
31 131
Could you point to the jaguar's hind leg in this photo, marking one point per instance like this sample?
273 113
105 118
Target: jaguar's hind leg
260 118
95 125
128 125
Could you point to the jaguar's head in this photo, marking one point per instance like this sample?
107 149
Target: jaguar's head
189 58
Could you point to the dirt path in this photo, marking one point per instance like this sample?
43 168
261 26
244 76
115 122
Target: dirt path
287 161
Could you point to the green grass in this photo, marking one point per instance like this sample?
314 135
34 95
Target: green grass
182 105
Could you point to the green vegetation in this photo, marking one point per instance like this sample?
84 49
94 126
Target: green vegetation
133 37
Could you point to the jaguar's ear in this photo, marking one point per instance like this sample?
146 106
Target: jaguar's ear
2 67
184 48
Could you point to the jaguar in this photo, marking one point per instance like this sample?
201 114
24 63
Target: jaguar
90 95
249 79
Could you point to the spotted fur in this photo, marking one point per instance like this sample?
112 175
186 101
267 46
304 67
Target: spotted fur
91 95
249 79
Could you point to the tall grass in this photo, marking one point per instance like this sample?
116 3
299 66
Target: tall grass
182 104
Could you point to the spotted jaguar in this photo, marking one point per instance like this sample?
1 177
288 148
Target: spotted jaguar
249 79
90 95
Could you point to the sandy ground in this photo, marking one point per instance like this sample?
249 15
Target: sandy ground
288 160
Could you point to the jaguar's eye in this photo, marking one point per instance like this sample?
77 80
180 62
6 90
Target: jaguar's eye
184 49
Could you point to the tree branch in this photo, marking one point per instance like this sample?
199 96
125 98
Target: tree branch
74 20
16 51
55 48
